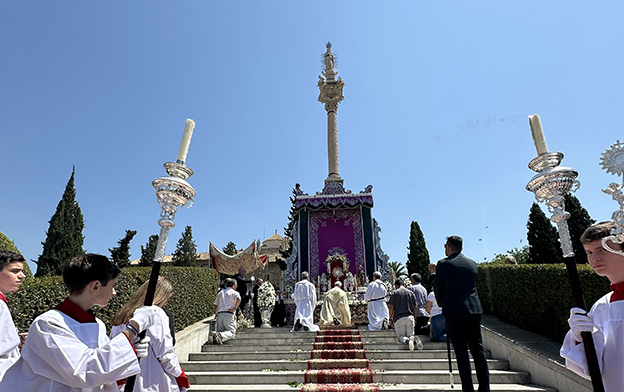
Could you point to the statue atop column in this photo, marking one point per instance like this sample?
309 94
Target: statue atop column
331 95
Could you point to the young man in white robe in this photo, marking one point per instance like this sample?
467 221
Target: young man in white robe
305 298
68 349
11 277
605 320
377 308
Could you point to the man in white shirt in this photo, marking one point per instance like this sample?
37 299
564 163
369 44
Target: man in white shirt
11 277
377 309
226 304
305 298
422 317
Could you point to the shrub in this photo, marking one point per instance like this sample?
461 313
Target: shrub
536 297
193 298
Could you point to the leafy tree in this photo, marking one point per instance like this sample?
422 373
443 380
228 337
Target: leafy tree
288 230
64 236
521 255
149 251
230 249
7 244
578 221
418 256
186 251
121 254
398 268
543 238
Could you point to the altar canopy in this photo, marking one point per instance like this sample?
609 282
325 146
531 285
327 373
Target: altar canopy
247 258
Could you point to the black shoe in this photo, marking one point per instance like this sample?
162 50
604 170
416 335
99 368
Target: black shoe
298 325
336 321
306 328
384 324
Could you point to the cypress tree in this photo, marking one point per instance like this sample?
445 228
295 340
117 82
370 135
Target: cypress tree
543 238
64 237
577 223
288 230
121 253
230 249
186 251
418 255
149 251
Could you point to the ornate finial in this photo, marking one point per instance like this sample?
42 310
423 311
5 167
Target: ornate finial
612 160
328 45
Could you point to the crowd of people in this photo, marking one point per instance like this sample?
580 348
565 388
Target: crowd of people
67 348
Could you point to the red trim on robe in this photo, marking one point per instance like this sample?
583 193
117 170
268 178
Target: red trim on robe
74 311
618 291
182 380
3 298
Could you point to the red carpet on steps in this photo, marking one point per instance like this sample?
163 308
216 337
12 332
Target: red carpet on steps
338 362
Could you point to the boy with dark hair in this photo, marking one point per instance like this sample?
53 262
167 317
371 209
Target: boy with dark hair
11 276
605 320
68 348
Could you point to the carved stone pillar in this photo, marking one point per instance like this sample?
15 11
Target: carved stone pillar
331 94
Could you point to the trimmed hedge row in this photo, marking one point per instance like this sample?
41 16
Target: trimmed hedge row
536 297
193 298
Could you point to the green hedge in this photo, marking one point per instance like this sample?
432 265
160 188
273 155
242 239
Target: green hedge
193 298
536 297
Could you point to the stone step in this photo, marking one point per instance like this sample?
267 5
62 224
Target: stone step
282 365
389 377
383 387
403 353
293 339
234 345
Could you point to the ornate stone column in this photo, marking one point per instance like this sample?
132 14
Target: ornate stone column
331 94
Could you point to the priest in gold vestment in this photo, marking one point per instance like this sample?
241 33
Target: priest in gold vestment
335 309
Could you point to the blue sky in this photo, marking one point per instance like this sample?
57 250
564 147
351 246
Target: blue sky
434 117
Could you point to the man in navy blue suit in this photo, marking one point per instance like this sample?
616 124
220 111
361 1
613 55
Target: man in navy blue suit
455 288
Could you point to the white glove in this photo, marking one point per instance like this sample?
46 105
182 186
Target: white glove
253 278
141 347
580 322
145 317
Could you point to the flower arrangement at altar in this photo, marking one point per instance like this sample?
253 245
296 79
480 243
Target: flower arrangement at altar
266 302
337 257
266 296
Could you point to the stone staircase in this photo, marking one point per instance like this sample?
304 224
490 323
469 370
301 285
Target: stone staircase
276 360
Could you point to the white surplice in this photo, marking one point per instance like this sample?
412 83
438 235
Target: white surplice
9 340
608 337
305 298
377 309
161 366
64 355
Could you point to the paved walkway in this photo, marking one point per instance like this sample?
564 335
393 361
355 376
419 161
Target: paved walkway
532 341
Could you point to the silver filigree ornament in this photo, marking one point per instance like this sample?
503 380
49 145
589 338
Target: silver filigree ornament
612 160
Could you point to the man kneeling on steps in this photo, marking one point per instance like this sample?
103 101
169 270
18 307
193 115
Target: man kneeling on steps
226 303
402 307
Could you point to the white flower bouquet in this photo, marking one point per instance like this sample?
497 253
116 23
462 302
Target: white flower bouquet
266 296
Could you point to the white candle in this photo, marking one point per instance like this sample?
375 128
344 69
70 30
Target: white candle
538 134
186 140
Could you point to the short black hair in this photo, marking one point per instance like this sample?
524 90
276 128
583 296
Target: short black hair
455 243
8 257
416 277
399 282
84 269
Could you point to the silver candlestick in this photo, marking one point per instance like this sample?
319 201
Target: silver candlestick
612 160
551 183
172 192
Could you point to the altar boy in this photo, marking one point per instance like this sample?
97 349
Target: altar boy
68 349
11 277
605 320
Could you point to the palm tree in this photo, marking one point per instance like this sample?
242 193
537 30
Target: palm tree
398 268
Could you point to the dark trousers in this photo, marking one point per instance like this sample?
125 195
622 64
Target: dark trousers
421 327
464 329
